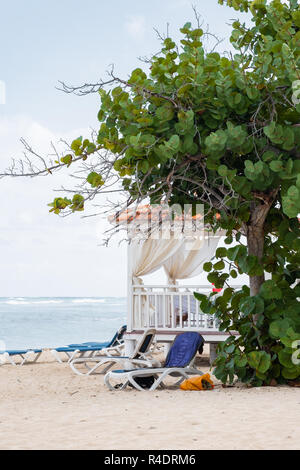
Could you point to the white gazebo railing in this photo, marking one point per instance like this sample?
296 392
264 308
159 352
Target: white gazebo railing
169 307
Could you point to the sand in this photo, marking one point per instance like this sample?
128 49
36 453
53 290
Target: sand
46 406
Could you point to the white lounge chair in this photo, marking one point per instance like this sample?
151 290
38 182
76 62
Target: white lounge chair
25 355
179 363
141 357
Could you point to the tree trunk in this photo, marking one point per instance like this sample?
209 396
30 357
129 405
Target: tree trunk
255 233
255 242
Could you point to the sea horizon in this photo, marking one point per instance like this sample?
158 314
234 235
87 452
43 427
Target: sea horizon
48 321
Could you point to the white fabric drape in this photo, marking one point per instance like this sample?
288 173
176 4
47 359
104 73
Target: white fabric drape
188 261
148 256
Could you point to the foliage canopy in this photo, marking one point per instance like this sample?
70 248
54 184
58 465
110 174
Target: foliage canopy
222 130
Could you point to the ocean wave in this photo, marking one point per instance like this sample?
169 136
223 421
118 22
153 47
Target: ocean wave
26 302
88 301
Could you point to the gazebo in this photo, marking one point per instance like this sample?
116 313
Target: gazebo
180 245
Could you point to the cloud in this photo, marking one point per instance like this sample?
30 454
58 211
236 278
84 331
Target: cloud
14 127
42 254
136 26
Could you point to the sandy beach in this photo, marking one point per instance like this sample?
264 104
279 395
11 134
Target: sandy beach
46 406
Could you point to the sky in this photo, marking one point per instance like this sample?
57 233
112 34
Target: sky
73 41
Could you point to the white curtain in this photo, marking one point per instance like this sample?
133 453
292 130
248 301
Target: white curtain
189 260
148 256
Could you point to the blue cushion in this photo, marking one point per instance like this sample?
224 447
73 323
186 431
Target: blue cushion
184 348
89 344
14 352
79 348
113 342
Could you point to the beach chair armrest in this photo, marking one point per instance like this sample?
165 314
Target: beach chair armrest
145 362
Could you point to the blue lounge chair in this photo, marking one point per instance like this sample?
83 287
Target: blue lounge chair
26 355
88 349
141 357
179 363
115 341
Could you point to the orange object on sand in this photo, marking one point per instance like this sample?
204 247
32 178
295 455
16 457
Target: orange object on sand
199 382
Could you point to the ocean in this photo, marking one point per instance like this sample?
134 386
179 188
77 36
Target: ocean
47 322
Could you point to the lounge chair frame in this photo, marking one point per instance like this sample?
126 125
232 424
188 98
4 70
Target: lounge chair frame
159 375
141 357
26 356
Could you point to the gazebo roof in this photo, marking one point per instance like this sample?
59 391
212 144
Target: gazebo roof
147 212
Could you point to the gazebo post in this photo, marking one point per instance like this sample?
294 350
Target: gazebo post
129 343
212 352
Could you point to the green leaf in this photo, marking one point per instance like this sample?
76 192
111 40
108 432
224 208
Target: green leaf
207 267
219 266
293 192
188 144
249 166
95 179
143 166
252 93
259 360
269 290
174 142
279 328
241 361
221 252
165 113
229 349
285 358
274 132
200 296
288 139
247 305
223 170
216 141
276 165
291 372
77 203
290 206
76 146
67 159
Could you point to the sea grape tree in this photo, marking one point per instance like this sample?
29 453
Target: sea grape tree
223 130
